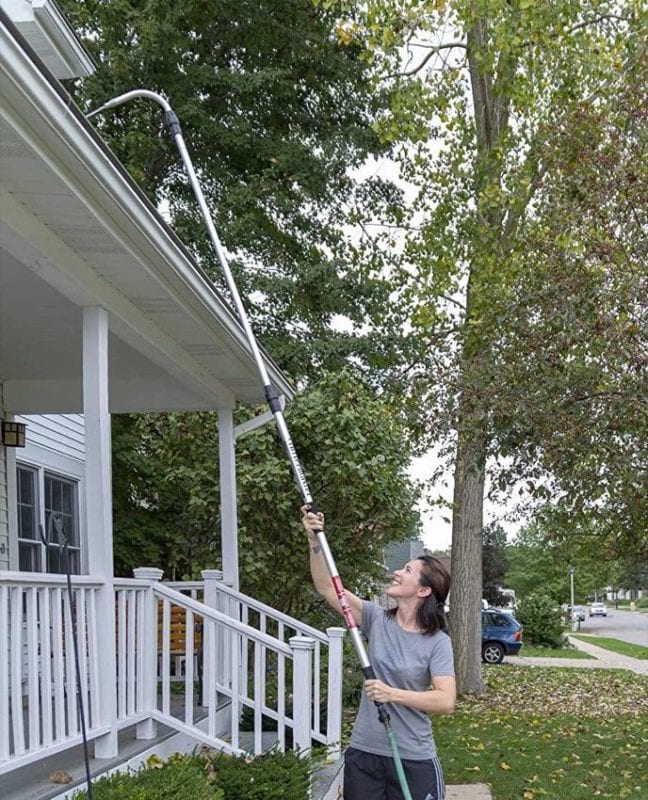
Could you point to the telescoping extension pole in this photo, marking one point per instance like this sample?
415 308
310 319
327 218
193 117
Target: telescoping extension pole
272 398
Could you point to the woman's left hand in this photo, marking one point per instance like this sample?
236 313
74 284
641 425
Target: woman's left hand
378 692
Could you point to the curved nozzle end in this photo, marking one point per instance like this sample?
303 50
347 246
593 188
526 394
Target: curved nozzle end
124 98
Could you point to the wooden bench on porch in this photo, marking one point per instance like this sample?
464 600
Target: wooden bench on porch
178 641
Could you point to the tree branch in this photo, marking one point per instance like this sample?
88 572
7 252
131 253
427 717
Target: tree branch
433 51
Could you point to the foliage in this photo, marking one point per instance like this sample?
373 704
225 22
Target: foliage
540 557
178 779
632 573
211 776
616 645
271 776
494 563
576 344
276 110
549 732
354 457
543 623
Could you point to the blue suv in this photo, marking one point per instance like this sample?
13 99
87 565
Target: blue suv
501 636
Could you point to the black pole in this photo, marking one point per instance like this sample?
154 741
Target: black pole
58 525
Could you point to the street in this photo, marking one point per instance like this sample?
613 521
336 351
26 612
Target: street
625 625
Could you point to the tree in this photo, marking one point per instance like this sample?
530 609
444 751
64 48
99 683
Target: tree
352 451
276 108
475 106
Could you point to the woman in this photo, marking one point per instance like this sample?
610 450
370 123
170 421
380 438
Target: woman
412 659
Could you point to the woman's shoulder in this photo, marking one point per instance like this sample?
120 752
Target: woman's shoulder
440 641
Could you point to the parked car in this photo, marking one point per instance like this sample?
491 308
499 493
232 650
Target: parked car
598 610
501 636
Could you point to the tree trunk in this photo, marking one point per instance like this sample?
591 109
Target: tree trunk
466 586
491 114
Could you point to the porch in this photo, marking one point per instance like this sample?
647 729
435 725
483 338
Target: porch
256 662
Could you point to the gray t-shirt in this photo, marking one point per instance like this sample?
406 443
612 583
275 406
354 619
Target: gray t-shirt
407 661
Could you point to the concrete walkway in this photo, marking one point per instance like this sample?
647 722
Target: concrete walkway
601 659
469 791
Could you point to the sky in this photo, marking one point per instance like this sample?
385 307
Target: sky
436 520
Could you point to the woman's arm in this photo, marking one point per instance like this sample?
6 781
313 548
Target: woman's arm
440 699
319 571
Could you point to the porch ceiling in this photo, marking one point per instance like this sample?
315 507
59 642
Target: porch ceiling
77 232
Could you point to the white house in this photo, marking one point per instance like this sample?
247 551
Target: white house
103 311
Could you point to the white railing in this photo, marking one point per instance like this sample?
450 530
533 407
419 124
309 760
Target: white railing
130 619
39 708
326 677
222 680
251 663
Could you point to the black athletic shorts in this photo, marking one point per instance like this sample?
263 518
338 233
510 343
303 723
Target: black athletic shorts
371 777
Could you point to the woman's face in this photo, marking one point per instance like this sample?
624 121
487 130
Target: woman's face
406 583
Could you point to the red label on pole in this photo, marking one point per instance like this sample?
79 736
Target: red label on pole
344 603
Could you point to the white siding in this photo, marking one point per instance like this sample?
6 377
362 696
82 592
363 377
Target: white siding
61 433
4 506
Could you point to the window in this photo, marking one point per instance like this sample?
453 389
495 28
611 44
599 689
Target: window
495 620
29 545
47 519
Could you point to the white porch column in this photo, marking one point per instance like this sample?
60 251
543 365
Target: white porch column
229 519
99 512
147 729
302 647
334 698
213 640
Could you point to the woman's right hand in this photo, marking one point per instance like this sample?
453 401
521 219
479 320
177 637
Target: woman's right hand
313 523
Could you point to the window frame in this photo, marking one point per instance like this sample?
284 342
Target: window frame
41 475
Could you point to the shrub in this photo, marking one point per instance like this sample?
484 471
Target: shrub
210 776
271 776
543 623
180 778
642 602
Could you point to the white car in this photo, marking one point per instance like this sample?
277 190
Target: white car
598 610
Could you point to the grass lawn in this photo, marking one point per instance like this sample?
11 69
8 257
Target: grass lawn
616 645
548 652
551 733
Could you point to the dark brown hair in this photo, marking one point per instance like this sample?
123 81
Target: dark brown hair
430 616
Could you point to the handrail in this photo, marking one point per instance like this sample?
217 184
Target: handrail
48 579
184 584
216 616
131 583
257 605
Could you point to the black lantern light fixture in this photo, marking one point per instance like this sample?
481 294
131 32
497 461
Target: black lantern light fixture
13 434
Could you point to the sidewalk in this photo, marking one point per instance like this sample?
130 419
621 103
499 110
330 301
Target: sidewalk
469 791
601 659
